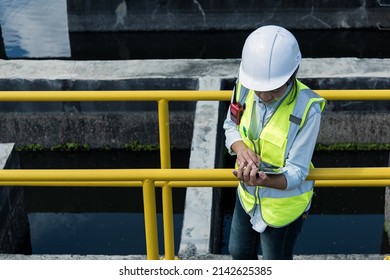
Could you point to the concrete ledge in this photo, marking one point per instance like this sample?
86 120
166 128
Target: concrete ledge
195 236
64 71
201 257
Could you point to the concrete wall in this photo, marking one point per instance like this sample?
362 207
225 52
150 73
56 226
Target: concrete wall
104 15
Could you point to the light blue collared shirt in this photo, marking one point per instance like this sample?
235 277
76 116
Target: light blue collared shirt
299 157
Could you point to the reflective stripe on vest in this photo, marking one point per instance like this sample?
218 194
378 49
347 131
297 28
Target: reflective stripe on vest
278 207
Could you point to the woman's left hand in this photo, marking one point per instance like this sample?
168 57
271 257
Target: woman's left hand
250 175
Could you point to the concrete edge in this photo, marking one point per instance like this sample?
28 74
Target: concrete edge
347 67
199 257
195 237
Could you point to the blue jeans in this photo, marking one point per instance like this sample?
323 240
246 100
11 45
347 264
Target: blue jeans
276 243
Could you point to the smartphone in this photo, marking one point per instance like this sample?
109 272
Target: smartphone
272 171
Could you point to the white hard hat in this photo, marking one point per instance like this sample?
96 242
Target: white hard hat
270 57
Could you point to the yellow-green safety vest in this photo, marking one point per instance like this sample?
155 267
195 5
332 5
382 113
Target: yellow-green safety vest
278 208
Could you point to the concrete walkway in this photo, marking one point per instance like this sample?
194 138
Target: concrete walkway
201 257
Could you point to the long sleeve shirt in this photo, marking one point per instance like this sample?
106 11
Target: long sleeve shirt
299 157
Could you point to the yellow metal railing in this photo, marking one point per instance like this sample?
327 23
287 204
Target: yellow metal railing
168 178
172 95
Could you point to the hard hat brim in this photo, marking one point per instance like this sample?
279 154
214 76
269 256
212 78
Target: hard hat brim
262 85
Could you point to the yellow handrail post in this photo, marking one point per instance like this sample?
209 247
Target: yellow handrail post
150 217
165 159
169 243
163 125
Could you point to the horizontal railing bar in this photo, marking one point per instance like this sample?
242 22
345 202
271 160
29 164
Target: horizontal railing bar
171 95
318 183
352 183
202 175
119 95
349 173
188 184
355 94
114 174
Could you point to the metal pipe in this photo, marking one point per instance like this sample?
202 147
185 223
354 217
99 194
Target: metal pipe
169 235
349 173
165 162
150 217
164 132
324 177
172 95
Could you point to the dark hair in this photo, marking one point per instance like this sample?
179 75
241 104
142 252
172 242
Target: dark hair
293 80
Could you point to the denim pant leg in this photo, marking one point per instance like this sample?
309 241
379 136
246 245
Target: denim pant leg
278 243
244 241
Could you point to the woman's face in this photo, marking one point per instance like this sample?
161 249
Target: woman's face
272 95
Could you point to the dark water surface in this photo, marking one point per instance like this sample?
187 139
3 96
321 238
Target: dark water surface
97 220
360 43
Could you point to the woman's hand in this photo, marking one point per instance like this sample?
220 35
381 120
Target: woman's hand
251 176
244 154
